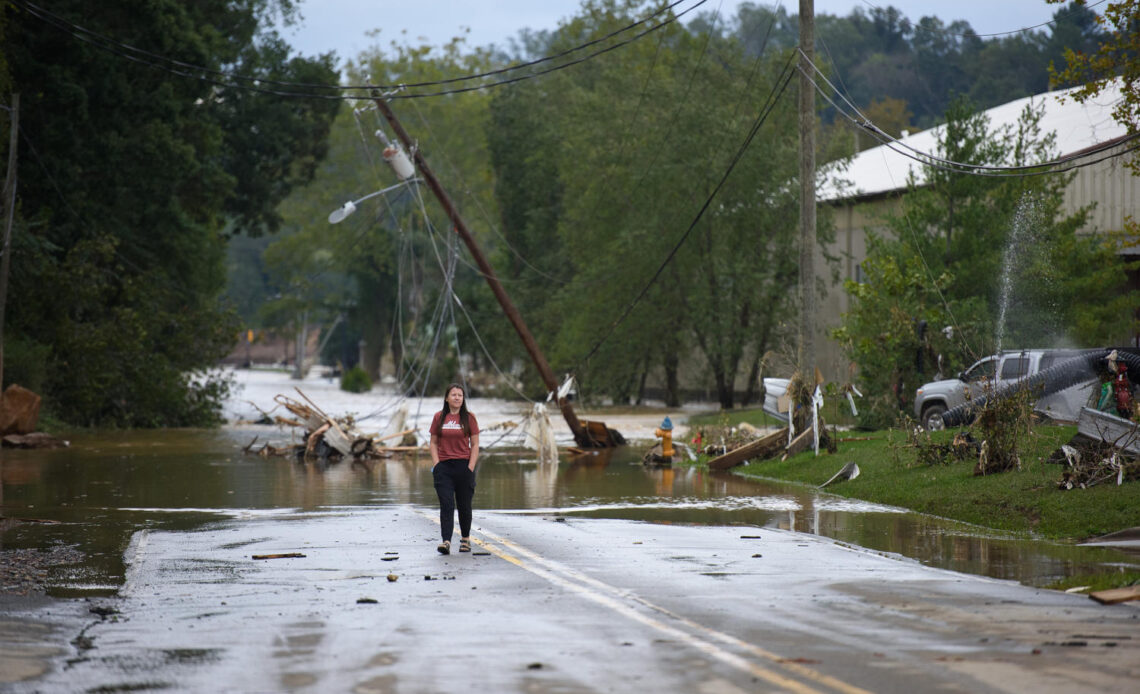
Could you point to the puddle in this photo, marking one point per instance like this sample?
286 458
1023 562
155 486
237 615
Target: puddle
109 486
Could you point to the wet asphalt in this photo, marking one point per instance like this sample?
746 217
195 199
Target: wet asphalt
550 604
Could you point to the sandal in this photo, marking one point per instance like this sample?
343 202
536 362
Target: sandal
465 545
444 547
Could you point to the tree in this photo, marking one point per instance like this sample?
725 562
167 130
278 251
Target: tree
1117 57
984 262
131 184
657 137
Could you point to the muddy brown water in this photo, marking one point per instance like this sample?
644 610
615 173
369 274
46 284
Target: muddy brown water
106 486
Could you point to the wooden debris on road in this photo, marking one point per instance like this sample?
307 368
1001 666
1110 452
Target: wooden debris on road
286 555
1115 595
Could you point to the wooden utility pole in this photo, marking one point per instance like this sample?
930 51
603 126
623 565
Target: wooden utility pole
9 211
807 193
582 435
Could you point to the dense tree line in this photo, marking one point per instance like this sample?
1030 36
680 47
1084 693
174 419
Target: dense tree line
878 54
136 181
133 173
583 182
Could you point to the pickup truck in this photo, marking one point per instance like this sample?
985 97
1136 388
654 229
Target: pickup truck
996 371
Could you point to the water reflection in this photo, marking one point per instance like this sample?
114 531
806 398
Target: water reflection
108 486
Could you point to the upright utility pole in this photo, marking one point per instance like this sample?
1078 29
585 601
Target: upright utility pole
807 193
9 210
581 434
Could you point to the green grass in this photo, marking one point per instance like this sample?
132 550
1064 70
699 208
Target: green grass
1025 500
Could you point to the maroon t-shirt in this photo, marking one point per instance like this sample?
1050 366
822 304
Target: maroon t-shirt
452 443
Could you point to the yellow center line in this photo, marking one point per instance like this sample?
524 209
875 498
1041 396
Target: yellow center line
601 592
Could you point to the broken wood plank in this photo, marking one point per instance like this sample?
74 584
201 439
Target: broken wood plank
799 444
392 436
763 447
336 437
1115 595
287 555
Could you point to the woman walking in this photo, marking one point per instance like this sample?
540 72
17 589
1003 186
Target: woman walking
454 453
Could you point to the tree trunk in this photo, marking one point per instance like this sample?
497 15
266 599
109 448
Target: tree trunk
641 383
724 393
672 391
753 381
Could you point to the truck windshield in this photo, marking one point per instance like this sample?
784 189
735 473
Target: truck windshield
983 370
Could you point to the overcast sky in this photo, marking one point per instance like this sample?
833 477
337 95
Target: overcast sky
343 25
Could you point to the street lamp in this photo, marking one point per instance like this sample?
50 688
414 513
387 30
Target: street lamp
338 215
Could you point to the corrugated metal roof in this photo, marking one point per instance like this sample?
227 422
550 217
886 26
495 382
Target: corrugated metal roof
882 169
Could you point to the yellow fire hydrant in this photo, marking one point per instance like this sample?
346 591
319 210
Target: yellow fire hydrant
665 432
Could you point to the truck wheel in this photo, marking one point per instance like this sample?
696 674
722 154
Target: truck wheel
932 417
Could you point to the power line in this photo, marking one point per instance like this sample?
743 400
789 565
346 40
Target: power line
116 48
774 96
1057 165
60 22
486 216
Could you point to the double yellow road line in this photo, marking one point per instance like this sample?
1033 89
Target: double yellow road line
764 665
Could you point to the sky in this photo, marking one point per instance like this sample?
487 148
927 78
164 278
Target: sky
343 25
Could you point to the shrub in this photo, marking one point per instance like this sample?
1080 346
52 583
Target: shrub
356 380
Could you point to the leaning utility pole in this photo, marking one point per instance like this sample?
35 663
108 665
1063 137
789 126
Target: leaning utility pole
582 435
9 209
807 193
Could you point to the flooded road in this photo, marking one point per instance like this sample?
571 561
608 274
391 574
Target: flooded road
91 498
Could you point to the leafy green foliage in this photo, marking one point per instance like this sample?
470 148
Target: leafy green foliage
878 53
950 247
608 158
1116 56
356 380
131 175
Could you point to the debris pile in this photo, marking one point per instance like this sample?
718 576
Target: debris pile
1106 448
806 430
329 439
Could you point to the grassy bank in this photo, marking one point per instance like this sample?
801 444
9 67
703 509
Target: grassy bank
1025 500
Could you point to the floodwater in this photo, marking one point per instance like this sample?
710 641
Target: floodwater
106 486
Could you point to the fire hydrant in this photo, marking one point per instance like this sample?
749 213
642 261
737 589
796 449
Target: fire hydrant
665 432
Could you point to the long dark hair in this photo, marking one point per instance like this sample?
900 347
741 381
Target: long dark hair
463 421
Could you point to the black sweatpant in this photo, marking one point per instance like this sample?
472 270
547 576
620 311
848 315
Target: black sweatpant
455 486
